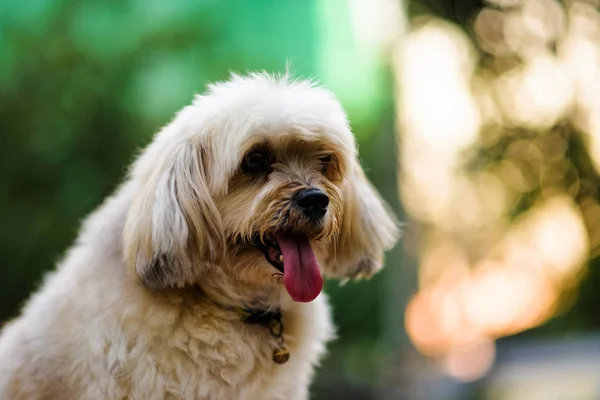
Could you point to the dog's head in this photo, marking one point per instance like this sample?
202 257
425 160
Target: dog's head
260 179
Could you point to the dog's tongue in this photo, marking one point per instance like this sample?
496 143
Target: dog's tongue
301 274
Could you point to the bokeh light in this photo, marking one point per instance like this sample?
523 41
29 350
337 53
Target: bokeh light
488 125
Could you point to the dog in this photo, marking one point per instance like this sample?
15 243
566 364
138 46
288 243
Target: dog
201 277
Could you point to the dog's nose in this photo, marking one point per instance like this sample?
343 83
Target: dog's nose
313 203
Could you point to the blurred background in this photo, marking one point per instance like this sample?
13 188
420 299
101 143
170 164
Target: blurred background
479 122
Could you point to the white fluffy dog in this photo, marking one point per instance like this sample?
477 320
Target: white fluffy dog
201 277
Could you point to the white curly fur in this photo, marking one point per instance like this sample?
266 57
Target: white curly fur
111 323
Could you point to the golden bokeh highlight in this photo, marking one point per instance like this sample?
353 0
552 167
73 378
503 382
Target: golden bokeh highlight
499 151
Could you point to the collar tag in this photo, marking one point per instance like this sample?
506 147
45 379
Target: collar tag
272 321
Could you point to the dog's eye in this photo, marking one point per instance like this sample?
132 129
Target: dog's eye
325 161
256 161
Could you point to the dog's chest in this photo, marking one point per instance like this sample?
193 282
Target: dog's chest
210 358
197 353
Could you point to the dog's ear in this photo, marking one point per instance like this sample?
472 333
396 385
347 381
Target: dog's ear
173 229
367 228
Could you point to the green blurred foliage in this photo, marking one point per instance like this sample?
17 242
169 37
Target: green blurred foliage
85 84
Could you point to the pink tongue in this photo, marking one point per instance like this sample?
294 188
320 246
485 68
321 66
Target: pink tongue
301 274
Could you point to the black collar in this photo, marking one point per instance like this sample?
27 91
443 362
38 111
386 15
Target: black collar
270 319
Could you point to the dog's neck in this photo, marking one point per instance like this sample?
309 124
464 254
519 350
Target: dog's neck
229 293
252 306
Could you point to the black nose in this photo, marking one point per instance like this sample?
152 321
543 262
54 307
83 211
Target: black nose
313 203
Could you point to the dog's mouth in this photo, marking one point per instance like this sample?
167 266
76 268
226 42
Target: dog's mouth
292 254
271 251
